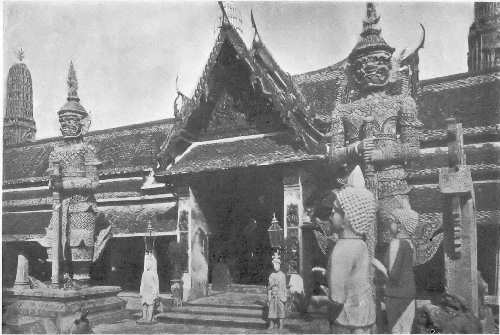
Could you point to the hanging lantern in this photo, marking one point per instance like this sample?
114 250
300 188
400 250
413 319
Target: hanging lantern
149 238
275 233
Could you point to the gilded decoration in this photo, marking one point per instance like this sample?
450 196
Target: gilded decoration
184 242
183 220
292 251
227 116
292 215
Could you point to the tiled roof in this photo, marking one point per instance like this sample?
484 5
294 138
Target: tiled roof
331 72
472 100
319 88
470 134
135 218
456 81
241 152
124 149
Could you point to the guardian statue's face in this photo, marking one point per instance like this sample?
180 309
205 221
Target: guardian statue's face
71 125
372 70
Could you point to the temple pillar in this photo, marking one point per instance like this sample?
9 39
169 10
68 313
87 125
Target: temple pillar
459 223
183 234
192 233
293 213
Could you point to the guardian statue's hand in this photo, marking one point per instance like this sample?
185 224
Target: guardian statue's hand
366 148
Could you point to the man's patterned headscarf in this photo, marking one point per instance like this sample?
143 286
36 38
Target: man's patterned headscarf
360 208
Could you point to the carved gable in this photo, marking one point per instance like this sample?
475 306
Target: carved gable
228 118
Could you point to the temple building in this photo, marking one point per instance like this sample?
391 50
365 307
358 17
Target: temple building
244 148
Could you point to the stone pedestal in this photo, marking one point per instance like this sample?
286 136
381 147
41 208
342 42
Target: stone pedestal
49 310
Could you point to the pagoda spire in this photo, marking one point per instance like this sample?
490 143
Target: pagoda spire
18 123
72 84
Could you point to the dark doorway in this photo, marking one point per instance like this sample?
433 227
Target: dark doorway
122 263
239 211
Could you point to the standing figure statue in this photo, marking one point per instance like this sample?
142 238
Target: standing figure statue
276 294
375 123
150 289
73 170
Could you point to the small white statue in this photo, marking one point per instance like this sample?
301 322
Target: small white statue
22 274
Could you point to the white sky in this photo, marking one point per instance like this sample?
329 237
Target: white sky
127 54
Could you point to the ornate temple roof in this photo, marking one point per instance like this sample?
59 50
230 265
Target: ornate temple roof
471 99
319 87
238 152
124 149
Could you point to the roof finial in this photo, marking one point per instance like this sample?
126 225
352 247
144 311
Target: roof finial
20 54
225 19
72 83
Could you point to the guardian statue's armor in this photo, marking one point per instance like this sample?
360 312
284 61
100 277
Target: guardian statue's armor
375 122
73 169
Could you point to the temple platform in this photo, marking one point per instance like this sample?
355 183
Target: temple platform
48 310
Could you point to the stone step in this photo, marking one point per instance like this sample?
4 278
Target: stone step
215 306
223 320
244 288
109 317
220 310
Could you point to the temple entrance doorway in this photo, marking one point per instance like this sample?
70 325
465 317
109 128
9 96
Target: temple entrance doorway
122 263
239 209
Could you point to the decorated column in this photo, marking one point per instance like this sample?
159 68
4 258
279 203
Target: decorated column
183 234
460 234
193 236
292 220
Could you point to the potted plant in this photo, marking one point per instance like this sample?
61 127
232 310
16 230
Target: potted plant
177 254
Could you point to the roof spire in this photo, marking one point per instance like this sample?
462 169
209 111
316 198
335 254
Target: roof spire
72 83
231 16
20 54
225 19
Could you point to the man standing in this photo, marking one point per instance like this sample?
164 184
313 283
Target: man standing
351 294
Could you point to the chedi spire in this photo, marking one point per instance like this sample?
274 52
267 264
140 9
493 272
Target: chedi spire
19 125
370 37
